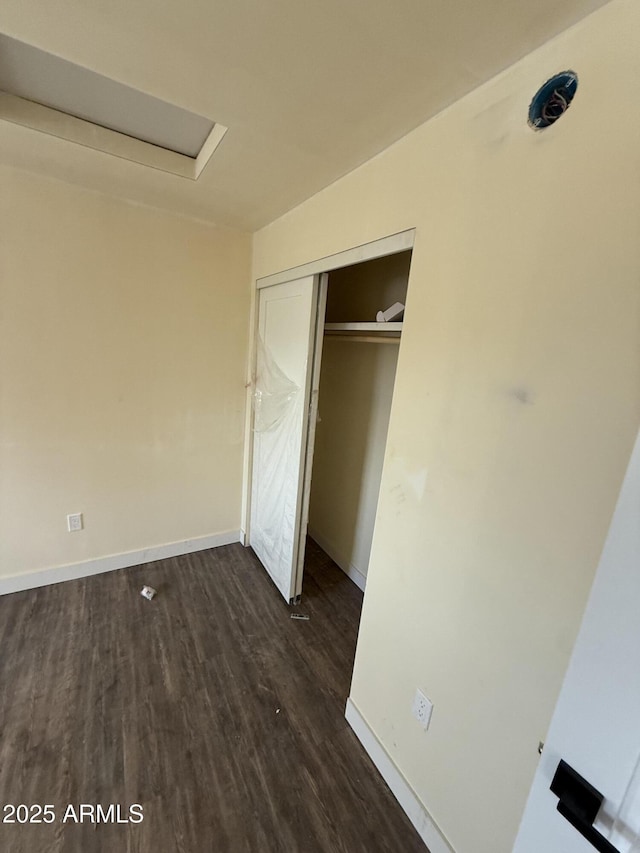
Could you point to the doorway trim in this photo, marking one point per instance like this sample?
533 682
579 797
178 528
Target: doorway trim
391 245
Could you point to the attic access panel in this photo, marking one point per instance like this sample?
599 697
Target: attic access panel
55 96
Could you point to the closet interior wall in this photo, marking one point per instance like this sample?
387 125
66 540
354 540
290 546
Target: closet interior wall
356 387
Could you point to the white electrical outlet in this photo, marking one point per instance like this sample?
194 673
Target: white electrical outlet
74 522
422 709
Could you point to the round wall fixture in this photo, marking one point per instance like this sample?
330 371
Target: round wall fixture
552 100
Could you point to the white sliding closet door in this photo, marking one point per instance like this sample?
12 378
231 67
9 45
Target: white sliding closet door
287 321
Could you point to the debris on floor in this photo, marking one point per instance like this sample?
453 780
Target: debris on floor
147 592
300 616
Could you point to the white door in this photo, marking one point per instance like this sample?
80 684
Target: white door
287 330
596 723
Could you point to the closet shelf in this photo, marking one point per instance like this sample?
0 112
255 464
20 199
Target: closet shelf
365 333
385 328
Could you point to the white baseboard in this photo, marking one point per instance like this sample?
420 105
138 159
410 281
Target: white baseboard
31 580
359 578
356 575
403 792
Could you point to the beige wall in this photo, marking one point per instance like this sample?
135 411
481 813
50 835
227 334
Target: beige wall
356 387
516 404
123 336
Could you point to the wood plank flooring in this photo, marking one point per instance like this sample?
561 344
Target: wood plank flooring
209 706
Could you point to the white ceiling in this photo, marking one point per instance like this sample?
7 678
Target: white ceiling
309 89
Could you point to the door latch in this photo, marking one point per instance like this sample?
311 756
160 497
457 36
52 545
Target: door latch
579 802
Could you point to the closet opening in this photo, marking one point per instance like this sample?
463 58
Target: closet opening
327 336
359 356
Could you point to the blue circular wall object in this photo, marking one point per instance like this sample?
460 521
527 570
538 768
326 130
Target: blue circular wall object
552 100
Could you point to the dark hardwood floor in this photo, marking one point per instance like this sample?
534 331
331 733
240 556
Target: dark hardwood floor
209 706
